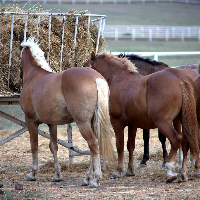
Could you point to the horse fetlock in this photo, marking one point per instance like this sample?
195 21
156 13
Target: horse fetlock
171 175
130 172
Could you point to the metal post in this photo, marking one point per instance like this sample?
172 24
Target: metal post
63 32
11 41
99 33
49 38
26 21
75 34
70 141
38 26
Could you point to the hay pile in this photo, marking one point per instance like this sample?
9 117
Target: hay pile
85 43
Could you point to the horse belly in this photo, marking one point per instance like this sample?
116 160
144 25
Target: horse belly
54 112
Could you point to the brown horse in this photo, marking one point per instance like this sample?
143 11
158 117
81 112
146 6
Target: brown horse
77 94
146 66
148 102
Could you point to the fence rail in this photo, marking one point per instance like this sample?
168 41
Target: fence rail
98 1
151 32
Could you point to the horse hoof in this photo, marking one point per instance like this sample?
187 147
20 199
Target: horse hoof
57 179
114 176
84 183
29 178
143 165
196 175
171 179
92 185
182 178
130 173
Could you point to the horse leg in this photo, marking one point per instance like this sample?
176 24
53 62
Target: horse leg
162 139
184 170
143 163
92 178
119 134
131 147
180 159
175 141
33 131
53 146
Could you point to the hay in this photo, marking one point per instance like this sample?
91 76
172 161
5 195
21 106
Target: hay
72 57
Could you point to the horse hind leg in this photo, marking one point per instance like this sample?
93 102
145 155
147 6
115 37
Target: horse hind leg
33 131
94 174
53 146
175 141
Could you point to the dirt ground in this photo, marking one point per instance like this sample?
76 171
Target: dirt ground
149 182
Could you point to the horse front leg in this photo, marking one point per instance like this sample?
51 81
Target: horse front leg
119 134
131 147
146 137
53 146
33 131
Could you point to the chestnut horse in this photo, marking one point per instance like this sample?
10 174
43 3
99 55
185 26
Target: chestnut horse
76 95
147 102
146 66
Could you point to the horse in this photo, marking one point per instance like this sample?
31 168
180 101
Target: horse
146 66
148 102
78 95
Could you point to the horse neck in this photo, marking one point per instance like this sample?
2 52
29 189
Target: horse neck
145 68
28 63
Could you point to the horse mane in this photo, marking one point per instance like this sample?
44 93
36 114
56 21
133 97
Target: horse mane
147 60
37 54
126 64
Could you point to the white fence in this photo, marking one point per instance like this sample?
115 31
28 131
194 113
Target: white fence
151 32
99 1
157 54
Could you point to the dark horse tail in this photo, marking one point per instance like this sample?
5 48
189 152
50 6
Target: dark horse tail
189 117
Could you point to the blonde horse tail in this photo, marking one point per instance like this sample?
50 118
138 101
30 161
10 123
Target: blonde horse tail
101 122
198 68
189 117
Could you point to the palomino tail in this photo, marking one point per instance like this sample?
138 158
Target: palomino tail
189 117
101 122
198 68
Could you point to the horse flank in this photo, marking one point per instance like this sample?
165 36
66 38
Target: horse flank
37 54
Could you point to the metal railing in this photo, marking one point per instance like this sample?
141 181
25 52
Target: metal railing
98 1
151 32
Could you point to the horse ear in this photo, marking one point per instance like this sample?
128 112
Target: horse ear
92 55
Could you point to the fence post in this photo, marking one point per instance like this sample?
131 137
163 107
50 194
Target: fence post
133 34
116 34
150 35
182 36
167 35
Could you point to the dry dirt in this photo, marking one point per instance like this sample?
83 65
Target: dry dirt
149 182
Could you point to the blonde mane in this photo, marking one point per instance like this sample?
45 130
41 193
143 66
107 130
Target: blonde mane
37 53
126 64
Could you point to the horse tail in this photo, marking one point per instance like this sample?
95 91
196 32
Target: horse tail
189 117
101 122
198 68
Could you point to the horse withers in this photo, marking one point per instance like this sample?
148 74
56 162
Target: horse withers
78 95
148 102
